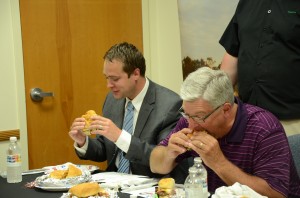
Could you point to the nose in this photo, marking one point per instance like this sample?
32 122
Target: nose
192 123
109 84
195 125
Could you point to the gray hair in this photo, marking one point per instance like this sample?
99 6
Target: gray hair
213 86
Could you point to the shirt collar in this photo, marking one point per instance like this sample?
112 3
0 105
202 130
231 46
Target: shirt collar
237 132
138 100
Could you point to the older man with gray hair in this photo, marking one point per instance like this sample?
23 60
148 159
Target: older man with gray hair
237 142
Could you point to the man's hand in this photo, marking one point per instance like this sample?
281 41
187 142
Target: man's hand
76 131
178 143
104 126
208 148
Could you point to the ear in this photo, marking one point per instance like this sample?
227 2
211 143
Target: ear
226 108
136 73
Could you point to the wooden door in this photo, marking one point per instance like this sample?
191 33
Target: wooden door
63 46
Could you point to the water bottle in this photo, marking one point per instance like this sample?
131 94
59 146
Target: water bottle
193 185
201 170
14 165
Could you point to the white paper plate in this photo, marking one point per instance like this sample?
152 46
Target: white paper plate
58 189
91 168
51 184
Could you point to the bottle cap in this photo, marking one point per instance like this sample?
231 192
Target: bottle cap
198 159
13 139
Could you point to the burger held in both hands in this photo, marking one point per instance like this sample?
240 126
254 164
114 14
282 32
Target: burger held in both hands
193 139
88 119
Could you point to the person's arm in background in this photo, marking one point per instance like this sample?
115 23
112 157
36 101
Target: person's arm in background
160 160
163 157
229 65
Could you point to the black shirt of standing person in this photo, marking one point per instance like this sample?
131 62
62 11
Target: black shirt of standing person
265 36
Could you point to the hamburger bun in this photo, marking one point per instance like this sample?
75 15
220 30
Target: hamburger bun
189 135
88 189
165 187
58 174
87 116
73 171
166 183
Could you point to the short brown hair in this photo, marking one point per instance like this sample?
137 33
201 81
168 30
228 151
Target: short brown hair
129 55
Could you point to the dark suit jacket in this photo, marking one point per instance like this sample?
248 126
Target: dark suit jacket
157 117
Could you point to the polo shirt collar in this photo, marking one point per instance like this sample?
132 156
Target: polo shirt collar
237 132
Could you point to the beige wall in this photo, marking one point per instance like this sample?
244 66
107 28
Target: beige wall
12 100
162 42
161 49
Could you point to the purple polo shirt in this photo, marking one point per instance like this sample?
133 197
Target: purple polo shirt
258 145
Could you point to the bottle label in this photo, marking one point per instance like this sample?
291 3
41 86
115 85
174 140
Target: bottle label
14 160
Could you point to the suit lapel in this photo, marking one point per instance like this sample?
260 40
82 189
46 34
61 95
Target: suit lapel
146 108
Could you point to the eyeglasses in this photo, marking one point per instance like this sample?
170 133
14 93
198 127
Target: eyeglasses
196 118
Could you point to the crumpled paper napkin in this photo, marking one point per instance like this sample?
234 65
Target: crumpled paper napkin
237 190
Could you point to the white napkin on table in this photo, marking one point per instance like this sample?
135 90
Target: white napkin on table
237 190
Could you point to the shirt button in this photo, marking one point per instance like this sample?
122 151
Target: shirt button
269 11
261 45
257 63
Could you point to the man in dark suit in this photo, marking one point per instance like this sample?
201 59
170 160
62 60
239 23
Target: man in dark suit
155 114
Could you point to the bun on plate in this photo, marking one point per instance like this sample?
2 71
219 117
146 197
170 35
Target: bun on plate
166 188
88 189
87 116
58 174
72 171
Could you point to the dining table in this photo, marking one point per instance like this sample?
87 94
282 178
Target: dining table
19 190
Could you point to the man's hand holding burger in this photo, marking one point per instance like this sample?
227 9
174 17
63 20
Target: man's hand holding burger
76 131
178 143
91 123
207 148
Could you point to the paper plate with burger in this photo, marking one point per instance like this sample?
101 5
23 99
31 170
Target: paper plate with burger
168 189
91 168
62 179
88 190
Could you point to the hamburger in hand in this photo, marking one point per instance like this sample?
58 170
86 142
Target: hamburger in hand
87 116
84 190
190 135
166 188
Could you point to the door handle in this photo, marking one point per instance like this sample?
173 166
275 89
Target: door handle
37 95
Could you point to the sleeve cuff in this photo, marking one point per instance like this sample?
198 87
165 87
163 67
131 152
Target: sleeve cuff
123 141
82 150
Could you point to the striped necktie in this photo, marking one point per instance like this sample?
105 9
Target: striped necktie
127 126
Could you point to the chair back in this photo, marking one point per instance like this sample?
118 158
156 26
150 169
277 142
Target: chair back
294 142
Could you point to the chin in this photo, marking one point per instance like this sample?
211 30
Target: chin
117 95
